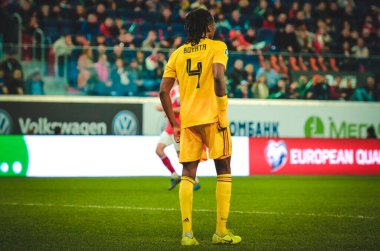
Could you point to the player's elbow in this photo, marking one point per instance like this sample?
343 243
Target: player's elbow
220 89
166 86
163 93
218 80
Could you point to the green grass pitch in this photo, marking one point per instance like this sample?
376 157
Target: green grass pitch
268 212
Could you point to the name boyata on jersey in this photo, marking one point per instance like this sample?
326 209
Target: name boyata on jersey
198 47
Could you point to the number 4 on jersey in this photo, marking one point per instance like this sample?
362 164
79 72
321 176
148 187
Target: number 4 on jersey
196 72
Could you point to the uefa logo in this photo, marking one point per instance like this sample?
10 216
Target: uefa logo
125 123
276 154
5 122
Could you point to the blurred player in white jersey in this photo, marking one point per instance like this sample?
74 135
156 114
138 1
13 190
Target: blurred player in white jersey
166 139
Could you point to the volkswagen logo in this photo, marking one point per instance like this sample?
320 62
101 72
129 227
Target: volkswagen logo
125 123
5 122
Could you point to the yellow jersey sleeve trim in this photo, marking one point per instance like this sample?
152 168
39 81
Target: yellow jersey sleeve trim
220 54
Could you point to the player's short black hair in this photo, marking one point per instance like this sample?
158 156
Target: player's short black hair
196 23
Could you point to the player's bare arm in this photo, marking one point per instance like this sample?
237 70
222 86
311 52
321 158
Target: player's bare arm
220 92
219 82
166 86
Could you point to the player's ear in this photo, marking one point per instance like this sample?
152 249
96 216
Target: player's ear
210 28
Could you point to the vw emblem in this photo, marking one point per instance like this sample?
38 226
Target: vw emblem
125 123
5 122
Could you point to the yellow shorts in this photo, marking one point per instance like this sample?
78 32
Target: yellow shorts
193 139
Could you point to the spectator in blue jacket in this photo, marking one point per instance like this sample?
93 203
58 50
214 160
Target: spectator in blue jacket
271 75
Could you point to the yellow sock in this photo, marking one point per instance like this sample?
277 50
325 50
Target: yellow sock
186 203
223 197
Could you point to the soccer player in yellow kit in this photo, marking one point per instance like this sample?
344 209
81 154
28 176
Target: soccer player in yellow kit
199 66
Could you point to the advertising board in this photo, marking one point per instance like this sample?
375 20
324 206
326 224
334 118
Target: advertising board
55 118
99 156
115 156
287 118
136 116
314 156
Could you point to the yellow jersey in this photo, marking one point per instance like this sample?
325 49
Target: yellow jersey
192 67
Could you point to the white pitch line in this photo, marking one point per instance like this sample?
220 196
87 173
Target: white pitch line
195 210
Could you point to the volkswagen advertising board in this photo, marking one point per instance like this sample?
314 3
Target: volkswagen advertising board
53 118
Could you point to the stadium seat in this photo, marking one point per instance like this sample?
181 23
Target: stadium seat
302 64
321 63
313 64
333 65
274 63
293 63
283 67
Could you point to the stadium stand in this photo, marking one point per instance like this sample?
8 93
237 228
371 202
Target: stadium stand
116 47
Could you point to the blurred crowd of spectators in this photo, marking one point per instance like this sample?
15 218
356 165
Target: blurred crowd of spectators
124 44
268 84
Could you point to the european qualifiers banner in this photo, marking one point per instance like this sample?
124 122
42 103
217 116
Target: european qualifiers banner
314 156
48 118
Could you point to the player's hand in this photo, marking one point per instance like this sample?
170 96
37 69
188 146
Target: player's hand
176 133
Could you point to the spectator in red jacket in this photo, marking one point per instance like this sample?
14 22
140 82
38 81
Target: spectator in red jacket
108 28
322 39
238 41
269 22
